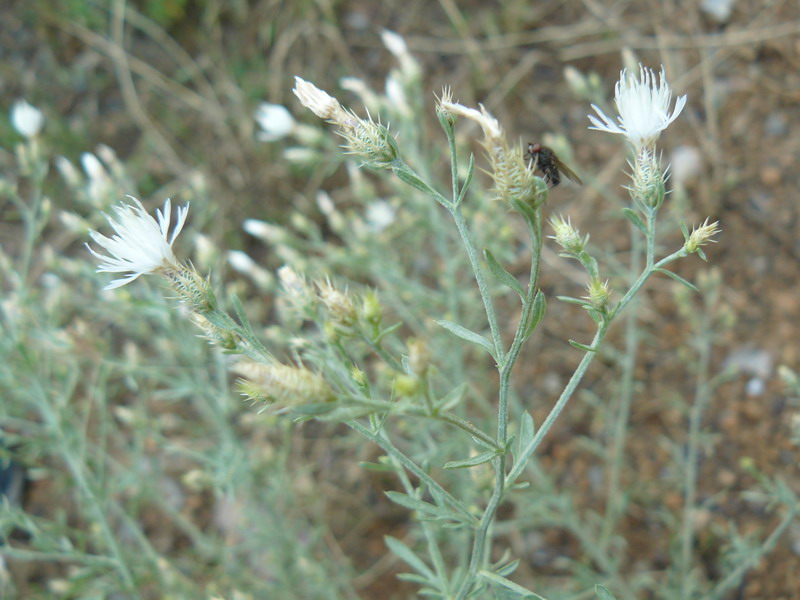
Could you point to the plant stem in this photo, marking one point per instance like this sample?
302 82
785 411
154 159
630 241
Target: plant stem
479 547
410 465
472 254
701 398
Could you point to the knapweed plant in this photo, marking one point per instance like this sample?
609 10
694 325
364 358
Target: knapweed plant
354 356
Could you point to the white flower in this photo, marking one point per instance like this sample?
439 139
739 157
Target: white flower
490 125
26 119
275 120
140 244
643 108
394 42
321 103
380 214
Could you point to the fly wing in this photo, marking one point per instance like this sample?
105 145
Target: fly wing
566 171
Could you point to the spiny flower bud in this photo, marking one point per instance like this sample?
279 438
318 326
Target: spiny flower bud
282 384
649 180
191 288
599 294
701 236
340 306
224 338
567 236
371 141
298 292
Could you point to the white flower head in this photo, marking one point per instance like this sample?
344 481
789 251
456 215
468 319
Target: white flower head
275 121
490 125
643 107
26 119
321 103
140 244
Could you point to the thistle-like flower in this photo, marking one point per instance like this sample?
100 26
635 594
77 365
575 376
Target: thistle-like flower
140 244
513 175
643 107
701 236
363 137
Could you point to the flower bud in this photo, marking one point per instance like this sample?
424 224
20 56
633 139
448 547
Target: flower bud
599 294
282 384
339 305
371 308
567 236
405 385
701 235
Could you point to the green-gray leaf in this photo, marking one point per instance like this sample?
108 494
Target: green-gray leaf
408 556
603 593
634 218
503 276
473 461
679 279
468 335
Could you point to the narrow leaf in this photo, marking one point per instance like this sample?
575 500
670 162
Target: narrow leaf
526 431
467 180
503 276
508 569
634 218
407 555
571 300
510 585
580 346
467 334
525 210
473 461
420 506
539 306
452 398
679 279
603 593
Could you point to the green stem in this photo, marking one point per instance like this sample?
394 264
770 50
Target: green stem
479 545
701 398
411 466
472 254
619 431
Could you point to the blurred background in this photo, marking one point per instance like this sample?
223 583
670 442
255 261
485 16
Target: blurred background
165 94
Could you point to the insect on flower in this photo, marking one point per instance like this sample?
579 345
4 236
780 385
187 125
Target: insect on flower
550 166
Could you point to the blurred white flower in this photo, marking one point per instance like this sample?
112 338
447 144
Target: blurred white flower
275 120
321 103
380 214
100 184
643 107
247 266
394 42
26 119
140 243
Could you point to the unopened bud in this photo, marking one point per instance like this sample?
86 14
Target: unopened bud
419 356
405 385
282 384
339 305
567 236
599 294
372 309
359 376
